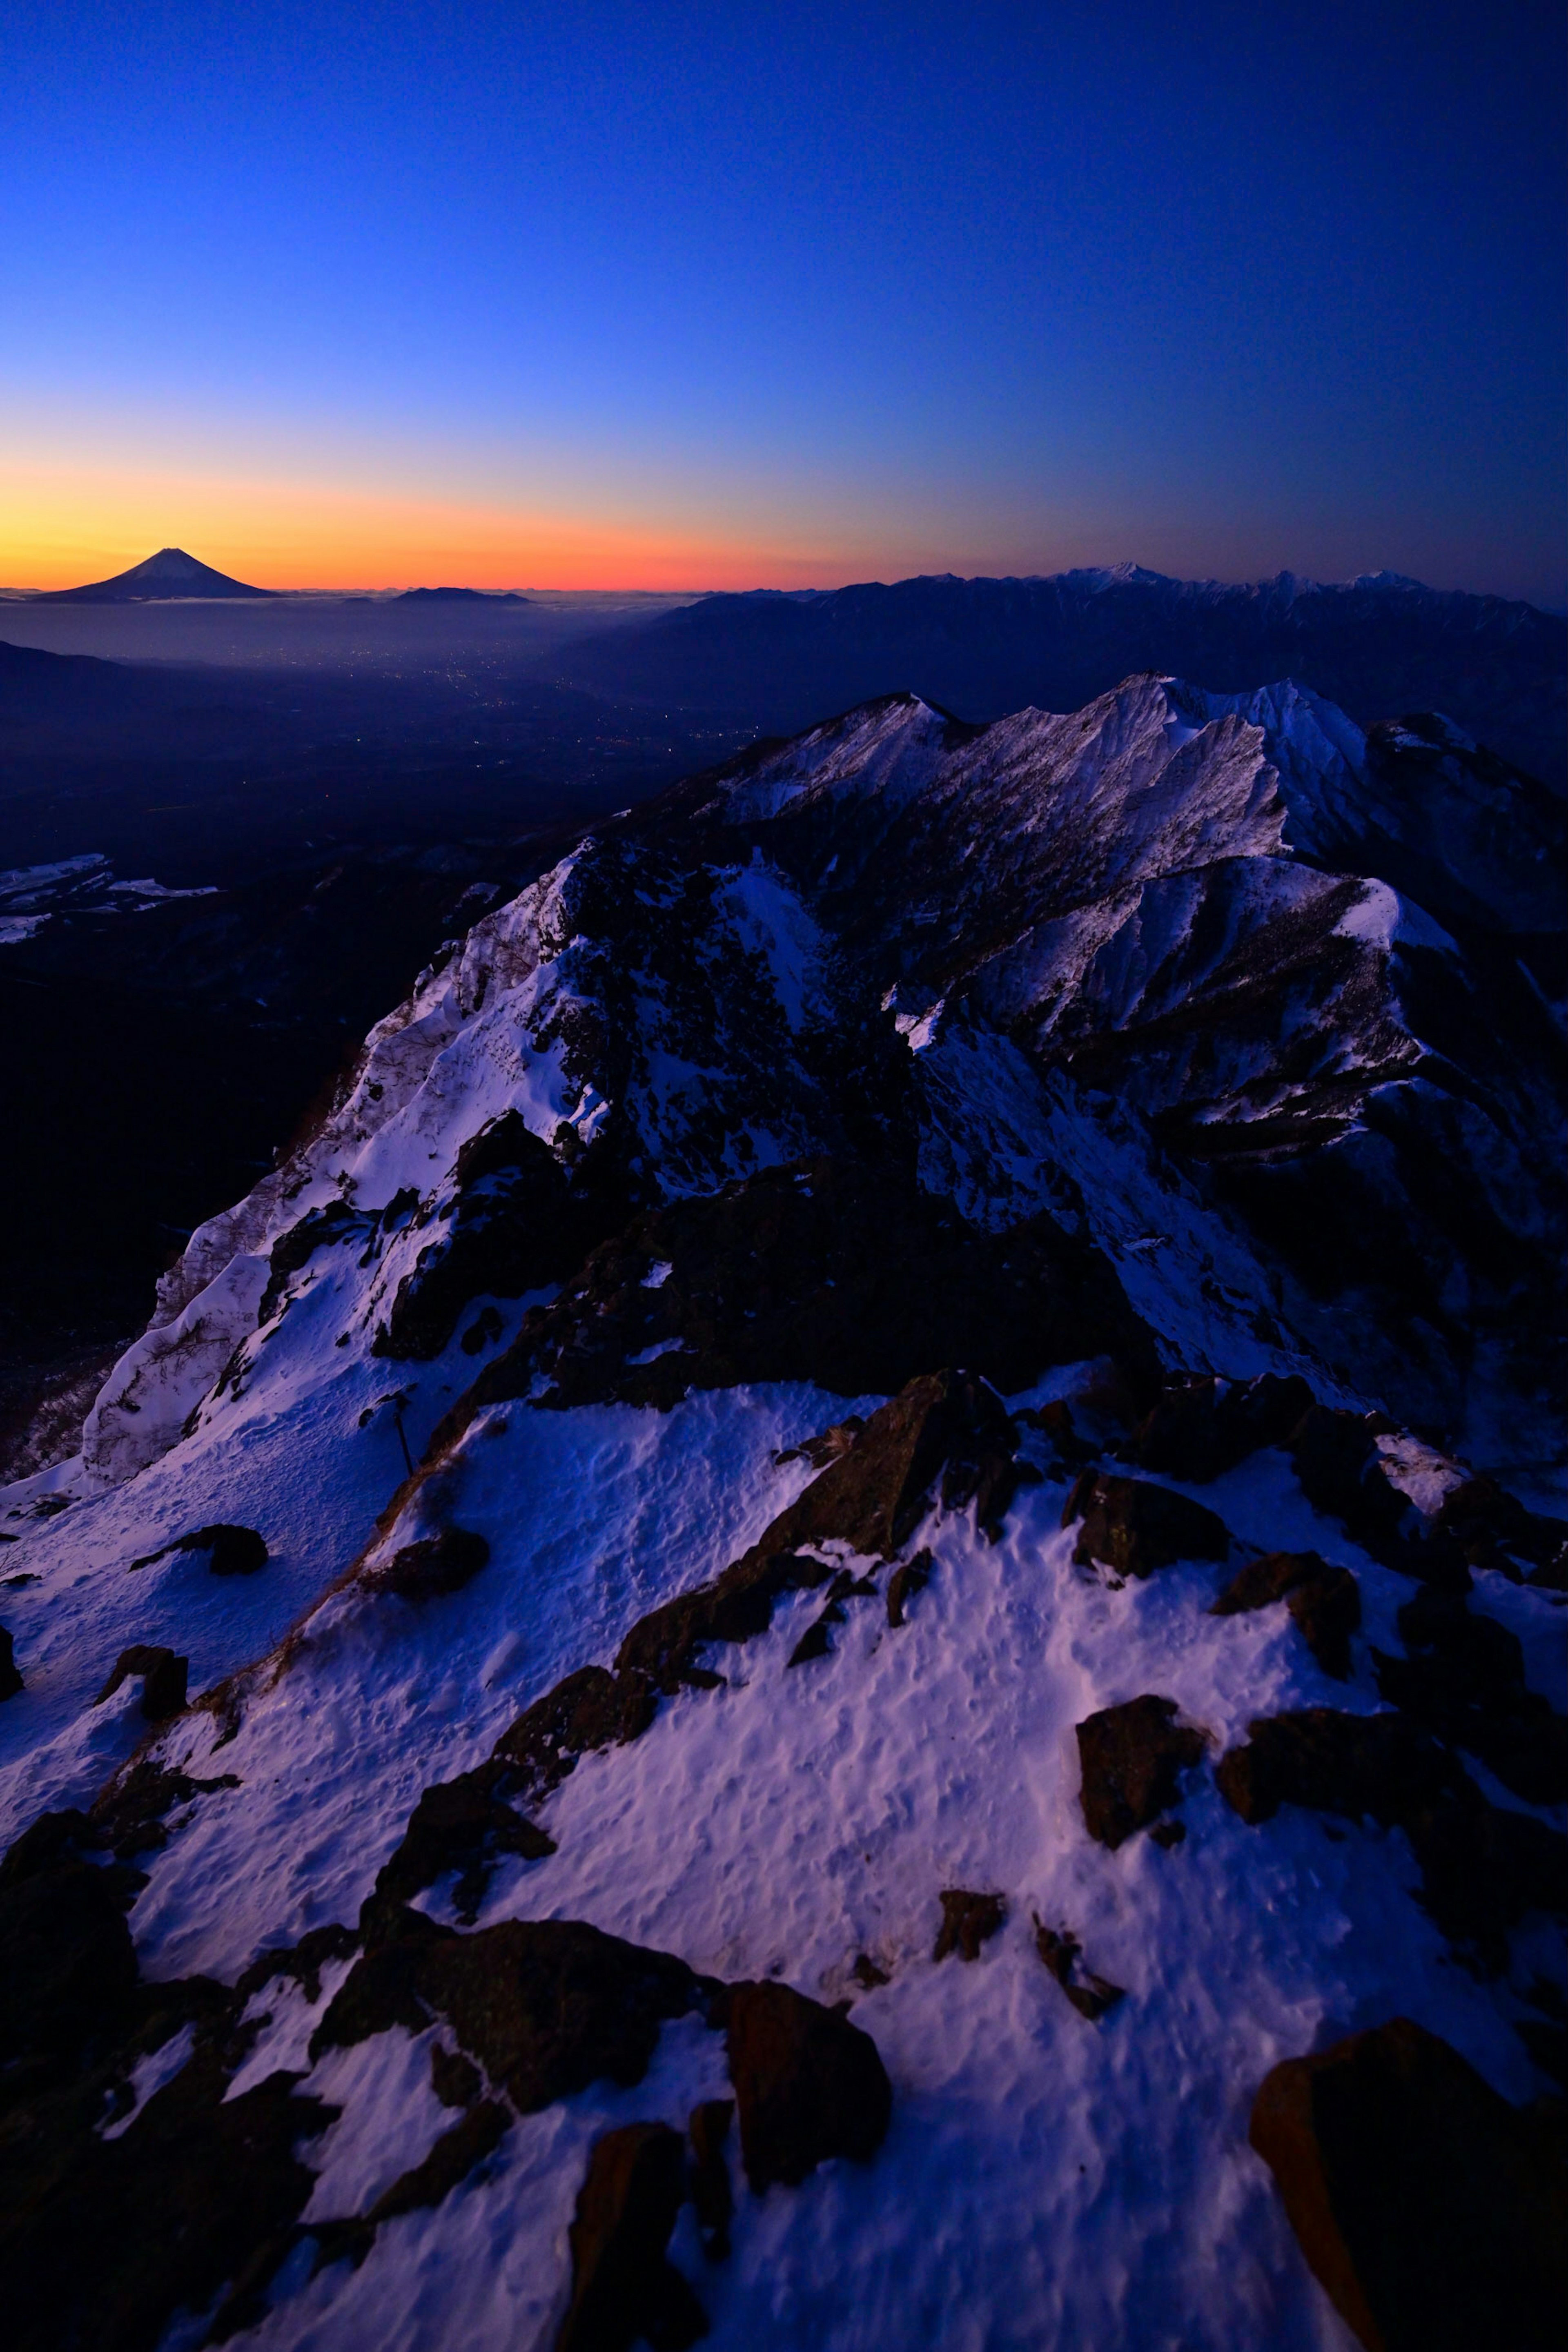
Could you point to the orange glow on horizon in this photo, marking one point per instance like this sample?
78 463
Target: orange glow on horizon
62 531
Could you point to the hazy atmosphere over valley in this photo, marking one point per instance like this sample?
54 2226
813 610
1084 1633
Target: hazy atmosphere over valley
784 934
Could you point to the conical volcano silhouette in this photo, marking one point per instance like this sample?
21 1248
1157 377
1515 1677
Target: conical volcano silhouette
171 572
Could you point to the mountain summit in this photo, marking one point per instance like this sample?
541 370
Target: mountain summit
162 577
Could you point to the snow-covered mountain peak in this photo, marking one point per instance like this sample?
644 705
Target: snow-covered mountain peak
823 1598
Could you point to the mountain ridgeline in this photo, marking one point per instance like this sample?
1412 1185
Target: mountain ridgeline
984 648
833 1624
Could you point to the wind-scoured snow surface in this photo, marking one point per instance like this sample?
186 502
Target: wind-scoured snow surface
1191 974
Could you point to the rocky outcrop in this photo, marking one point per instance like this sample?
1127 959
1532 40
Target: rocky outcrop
1092 1996
1132 1757
162 1675
624 2289
1135 1528
809 2084
1463 1678
1324 1603
1431 2211
1200 1429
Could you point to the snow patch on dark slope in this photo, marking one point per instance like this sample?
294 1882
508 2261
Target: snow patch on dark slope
856 1479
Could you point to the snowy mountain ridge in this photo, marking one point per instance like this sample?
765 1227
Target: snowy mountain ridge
850 1490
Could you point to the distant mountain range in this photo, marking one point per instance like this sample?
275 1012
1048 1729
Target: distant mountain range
980 648
461 596
169 574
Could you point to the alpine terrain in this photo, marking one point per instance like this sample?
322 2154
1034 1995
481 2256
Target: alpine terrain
839 1624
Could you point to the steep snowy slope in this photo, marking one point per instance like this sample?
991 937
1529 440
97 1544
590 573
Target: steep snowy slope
766 1644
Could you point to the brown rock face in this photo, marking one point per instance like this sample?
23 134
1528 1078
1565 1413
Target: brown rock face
624 2291
967 1922
1132 1757
1433 2214
457 1825
809 2084
1135 1528
1324 1603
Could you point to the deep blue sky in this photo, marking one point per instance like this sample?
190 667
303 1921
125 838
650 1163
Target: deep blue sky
691 293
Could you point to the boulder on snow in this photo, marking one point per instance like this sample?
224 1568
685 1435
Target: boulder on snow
1258 1583
432 1567
236 1551
164 1678
1132 1757
1135 1528
809 2084
1432 2212
624 2288
968 1920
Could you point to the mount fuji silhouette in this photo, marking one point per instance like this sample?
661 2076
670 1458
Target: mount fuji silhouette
169 574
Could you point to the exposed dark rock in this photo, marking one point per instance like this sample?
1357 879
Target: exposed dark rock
821 1450
458 1825
162 1679
455 2080
317 1229
1135 1528
184 2201
1464 1679
1353 1765
482 1332
809 2084
236 1551
1260 1582
10 1677
803 1273
303 1961
816 1641
434 1566
1337 1463
450 2160
911 1576
1168 1834
129 1815
968 1921
1326 1610
1494 1529
67 1966
1429 2209
588 1709
1200 1430
520 1220
1132 1757
1091 1995
1054 1422
624 2289
867 1974
545 2006
1483 1867
1323 1601
707 2129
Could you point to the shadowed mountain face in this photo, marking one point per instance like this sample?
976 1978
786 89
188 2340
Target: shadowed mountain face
169 574
984 648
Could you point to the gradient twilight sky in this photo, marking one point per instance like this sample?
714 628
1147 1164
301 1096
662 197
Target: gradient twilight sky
633 293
